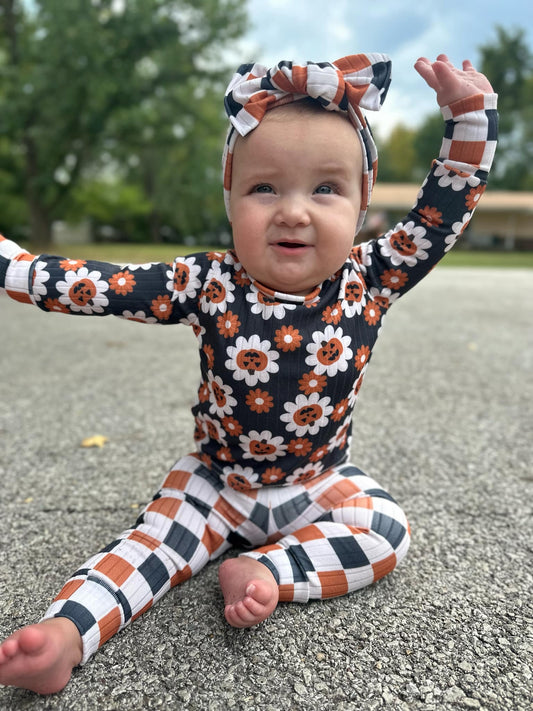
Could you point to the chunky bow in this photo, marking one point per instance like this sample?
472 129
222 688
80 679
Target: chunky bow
361 80
346 85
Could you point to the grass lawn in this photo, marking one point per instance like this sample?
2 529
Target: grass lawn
140 253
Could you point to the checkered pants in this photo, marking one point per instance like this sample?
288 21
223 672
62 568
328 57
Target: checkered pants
336 533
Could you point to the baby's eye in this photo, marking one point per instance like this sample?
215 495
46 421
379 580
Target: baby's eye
325 190
263 188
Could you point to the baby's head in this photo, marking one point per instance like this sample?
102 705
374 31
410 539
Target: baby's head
299 166
356 82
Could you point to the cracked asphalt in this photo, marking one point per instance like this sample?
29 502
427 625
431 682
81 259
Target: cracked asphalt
444 422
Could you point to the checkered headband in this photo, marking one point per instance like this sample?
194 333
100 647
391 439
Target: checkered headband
346 85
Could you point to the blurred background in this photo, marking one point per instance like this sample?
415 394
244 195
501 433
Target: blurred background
112 121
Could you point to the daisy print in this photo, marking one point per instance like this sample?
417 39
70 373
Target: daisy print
372 313
406 244
383 297
262 446
431 216
183 279
240 478
145 267
353 289
138 316
332 314
221 399
267 306
252 360
457 180
340 439
473 196
72 265
287 338
40 278
312 383
394 278
272 475
306 415
259 400
83 291
122 283
458 229
330 351
201 435
300 447
228 324
232 426
214 430
363 255
162 307
218 292
55 305
362 357
303 474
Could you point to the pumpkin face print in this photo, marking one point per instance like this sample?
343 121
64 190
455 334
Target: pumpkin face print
402 243
181 276
307 415
330 352
219 394
252 360
354 291
238 482
82 292
215 291
262 448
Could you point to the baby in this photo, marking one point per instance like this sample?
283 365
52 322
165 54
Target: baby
285 321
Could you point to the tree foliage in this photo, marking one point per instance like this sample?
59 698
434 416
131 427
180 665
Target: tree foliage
79 79
509 65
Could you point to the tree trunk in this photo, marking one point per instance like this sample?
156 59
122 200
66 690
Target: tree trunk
40 220
40 226
155 227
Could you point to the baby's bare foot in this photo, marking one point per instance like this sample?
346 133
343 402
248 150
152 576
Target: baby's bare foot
250 591
41 657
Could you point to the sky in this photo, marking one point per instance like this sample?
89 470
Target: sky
324 30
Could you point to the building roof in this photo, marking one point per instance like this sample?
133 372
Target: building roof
401 196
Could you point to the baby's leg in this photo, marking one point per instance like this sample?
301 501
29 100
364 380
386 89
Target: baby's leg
175 536
361 538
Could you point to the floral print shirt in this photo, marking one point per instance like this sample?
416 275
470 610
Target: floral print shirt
280 374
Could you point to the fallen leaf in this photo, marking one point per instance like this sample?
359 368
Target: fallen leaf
94 441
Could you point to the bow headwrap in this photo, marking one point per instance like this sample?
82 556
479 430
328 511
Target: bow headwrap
346 85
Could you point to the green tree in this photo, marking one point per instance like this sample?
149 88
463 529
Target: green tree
70 72
508 63
397 156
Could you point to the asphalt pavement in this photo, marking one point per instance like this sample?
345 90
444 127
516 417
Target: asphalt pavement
444 421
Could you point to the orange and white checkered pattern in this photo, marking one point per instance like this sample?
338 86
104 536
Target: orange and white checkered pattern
329 536
471 133
19 271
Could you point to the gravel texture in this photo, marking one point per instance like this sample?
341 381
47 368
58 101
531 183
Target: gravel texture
444 421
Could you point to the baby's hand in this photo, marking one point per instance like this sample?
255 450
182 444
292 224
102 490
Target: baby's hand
451 83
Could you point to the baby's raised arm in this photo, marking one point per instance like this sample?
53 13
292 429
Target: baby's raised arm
450 83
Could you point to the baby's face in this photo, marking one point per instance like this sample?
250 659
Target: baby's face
295 198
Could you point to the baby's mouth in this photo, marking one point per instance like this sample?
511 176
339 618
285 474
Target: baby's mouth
291 245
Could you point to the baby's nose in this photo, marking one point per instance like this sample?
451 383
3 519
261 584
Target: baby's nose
293 211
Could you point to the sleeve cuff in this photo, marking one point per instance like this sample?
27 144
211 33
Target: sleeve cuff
471 133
